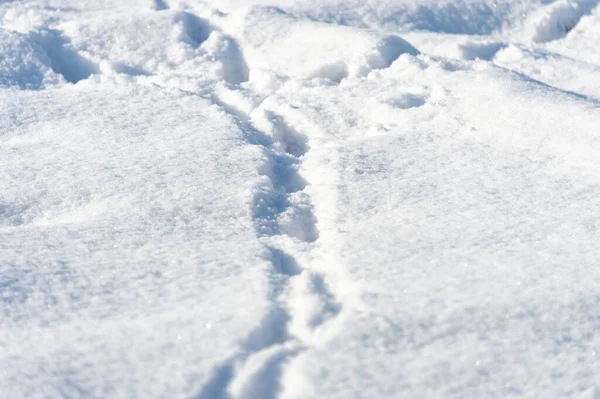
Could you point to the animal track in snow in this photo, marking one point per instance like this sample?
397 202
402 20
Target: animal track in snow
301 302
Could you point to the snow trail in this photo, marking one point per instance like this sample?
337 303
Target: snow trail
286 224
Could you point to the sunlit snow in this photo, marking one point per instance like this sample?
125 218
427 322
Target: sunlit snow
264 199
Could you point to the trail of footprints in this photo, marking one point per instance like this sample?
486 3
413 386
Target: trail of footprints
301 302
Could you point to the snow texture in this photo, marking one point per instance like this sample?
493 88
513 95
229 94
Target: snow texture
264 199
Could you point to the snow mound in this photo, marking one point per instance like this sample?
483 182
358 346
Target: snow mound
136 45
555 20
177 48
582 40
302 48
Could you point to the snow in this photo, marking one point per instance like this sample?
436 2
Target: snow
242 199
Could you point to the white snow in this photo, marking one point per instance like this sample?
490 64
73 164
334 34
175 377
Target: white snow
260 199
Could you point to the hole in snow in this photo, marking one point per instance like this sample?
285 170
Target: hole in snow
63 59
11 215
160 5
284 263
196 30
406 101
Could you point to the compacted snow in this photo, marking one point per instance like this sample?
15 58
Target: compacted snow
260 199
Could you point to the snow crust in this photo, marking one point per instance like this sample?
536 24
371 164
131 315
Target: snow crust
259 199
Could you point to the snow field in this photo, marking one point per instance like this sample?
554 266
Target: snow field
409 179
138 191
282 199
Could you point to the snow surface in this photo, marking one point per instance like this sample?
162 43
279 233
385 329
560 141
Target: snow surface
260 199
